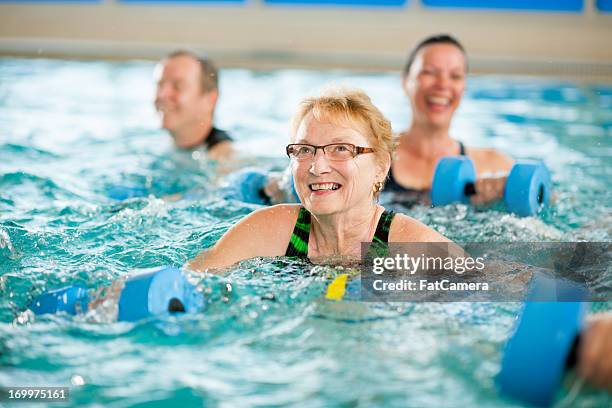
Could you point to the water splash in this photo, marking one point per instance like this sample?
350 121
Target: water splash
5 243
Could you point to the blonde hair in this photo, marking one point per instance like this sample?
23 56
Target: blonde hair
346 107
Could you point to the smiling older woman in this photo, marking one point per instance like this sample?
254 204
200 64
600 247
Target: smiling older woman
340 156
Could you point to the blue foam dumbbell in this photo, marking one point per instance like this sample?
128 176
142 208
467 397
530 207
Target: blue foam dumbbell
164 290
453 181
527 187
158 292
71 300
248 186
544 342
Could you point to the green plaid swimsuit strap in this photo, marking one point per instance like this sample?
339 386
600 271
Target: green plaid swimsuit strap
298 244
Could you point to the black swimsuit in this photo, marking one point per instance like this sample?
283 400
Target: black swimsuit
298 244
215 137
410 196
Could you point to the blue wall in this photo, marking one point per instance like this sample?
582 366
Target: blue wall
535 5
604 5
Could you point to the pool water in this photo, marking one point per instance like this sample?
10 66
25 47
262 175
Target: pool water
69 130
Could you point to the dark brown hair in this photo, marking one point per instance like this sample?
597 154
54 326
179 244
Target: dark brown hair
434 39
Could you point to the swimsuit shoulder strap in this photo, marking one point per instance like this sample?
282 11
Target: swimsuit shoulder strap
391 185
381 236
461 149
298 244
215 137
380 242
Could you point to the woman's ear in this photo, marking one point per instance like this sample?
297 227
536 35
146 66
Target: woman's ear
384 166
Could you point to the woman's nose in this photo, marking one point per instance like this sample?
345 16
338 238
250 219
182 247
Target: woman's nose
442 80
320 163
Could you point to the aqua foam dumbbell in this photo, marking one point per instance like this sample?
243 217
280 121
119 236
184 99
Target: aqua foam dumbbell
453 181
544 342
159 291
71 300
248 186
527 187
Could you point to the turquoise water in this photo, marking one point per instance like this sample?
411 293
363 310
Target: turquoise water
69 130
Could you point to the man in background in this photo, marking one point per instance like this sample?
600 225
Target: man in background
187 93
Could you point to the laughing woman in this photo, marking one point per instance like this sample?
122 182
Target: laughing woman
434 81
340 151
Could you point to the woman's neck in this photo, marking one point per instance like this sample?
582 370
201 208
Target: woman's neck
342 234
428 142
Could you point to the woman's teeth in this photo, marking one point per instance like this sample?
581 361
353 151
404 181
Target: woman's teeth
438 100
324 186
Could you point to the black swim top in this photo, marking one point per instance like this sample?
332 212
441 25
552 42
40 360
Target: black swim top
410 195
298 244
215 137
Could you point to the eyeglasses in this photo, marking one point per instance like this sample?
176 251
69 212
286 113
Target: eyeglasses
334 151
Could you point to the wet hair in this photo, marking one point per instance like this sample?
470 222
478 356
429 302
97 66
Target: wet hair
434 39
349 107
209 74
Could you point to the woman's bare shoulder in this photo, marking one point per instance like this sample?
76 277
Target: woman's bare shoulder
278 212
407 229
269 223
265 232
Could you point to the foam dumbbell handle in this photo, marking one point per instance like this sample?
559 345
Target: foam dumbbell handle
165 290
69 300
453 181
527 188
544 341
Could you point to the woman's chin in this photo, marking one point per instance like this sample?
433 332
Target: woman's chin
319 207
438 121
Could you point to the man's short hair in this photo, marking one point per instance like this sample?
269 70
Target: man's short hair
209 74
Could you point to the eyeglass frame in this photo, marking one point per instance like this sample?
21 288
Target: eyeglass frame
357 150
